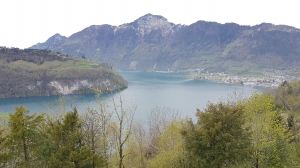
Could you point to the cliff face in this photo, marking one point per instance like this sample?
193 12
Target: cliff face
26 73
65 87
153 43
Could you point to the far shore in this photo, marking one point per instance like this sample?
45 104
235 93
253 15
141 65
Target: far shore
270 80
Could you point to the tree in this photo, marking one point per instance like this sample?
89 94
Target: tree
122 128
159 120
287 95
57 110
143 145
171 151
96 133
5 156
269 135
91 131
23 135
219 138
136 146
70 148
96 125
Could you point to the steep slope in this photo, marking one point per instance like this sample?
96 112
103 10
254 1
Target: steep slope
153 43
31 72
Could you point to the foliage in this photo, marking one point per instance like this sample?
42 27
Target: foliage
171 152
22 141
219 138
122 128
236 133
70 149
137 146
269 135
159 120
287 95
95 131
5 157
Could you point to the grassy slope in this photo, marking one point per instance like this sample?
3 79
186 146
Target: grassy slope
21 70
75 63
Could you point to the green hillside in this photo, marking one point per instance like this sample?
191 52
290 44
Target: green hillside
32 72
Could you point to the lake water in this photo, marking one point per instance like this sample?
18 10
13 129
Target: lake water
147 90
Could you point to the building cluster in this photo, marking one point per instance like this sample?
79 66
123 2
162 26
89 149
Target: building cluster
272 78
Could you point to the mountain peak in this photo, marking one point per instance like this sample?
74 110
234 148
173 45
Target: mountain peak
52 42
149 22
57 37
149 16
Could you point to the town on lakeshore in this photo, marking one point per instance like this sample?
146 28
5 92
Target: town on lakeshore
269 78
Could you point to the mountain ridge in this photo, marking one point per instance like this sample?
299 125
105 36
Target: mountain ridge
151 42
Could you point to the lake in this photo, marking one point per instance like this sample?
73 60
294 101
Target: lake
147 90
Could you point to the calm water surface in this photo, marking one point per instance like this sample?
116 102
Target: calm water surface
147 90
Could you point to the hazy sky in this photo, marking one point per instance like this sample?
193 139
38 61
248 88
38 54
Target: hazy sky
27 22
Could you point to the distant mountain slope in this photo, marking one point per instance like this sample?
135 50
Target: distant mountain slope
32 72
153 43
52 43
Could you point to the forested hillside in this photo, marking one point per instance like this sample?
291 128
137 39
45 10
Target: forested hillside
31 72
260 131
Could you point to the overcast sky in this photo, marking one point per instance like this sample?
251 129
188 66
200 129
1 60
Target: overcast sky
27 22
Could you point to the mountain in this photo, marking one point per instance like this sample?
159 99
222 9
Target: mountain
52 43
32 72
153 43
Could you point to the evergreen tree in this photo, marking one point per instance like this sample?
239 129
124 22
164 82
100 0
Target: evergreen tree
70 148
22 140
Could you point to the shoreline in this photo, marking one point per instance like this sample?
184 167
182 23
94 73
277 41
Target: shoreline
237 80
